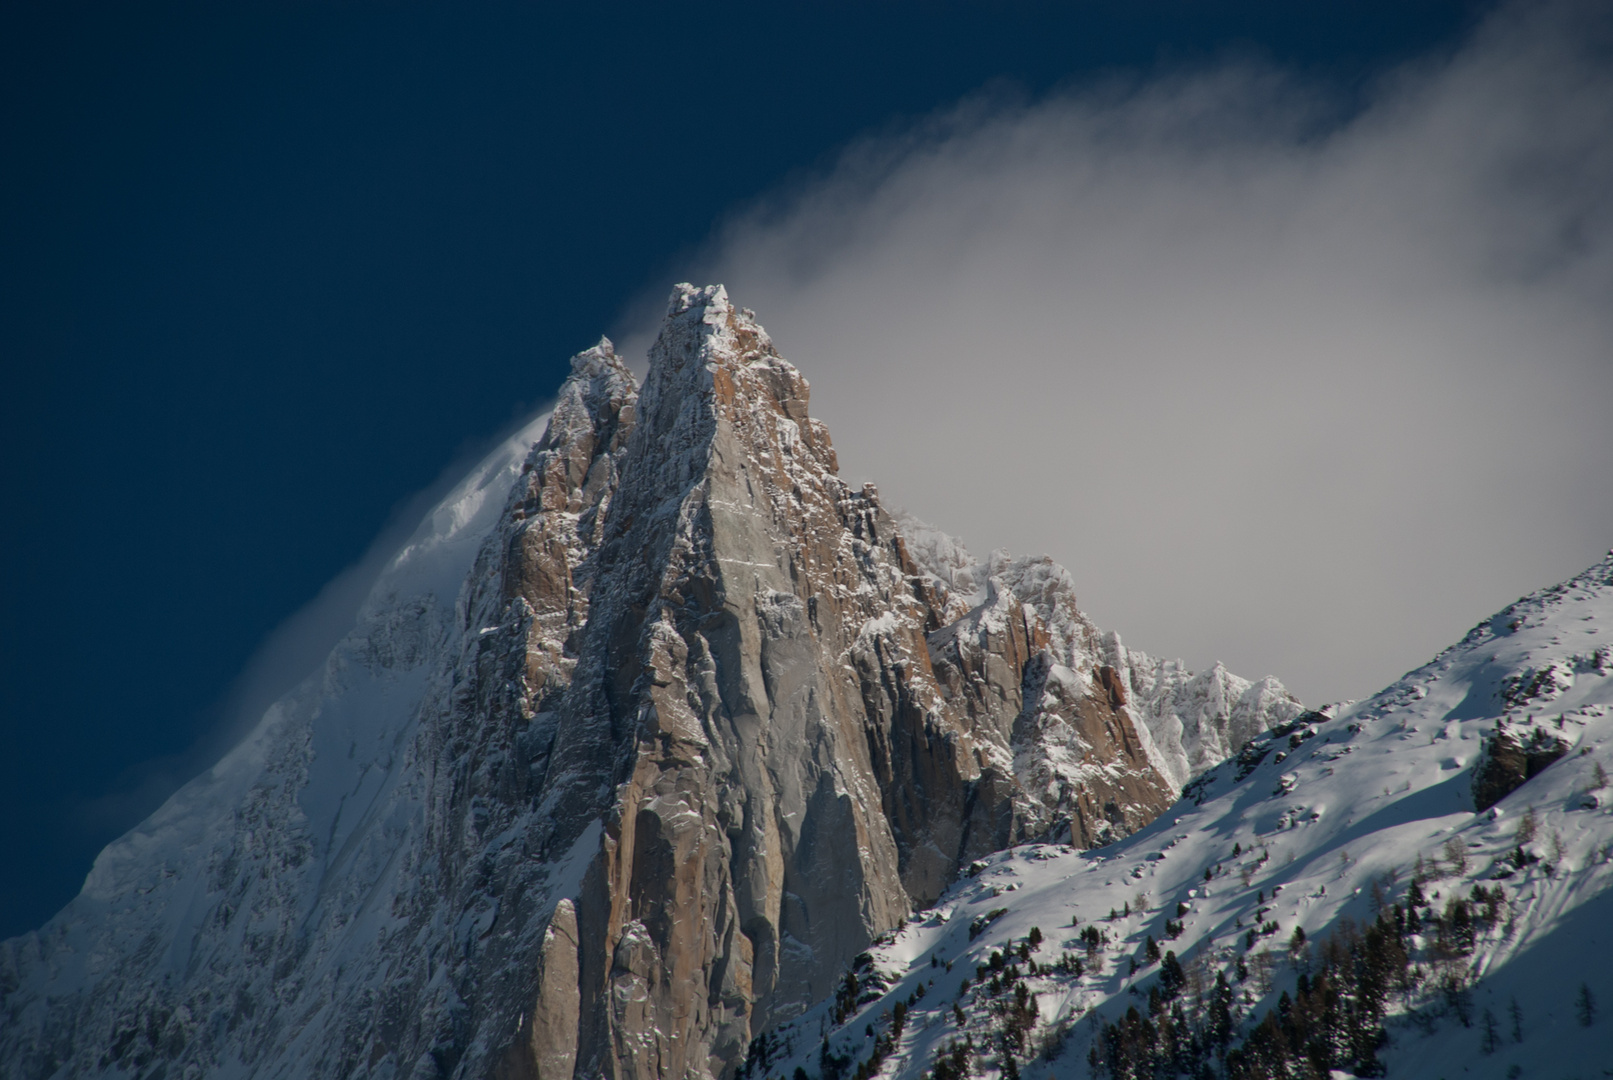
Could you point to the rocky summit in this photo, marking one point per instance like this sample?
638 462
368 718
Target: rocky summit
652 728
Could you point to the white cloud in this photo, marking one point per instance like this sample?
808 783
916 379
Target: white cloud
1303 394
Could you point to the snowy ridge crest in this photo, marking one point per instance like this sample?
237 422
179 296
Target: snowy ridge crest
1192 721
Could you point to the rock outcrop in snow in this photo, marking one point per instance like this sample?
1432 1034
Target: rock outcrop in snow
1193 721
652 728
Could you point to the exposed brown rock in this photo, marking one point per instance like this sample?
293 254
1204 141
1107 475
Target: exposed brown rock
1508 762
547 1046
793 764
1113 685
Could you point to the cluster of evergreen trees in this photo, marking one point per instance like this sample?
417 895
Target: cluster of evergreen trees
1165 1042
1009 1000
832 1066
1002 991
1334 1020
1452 932
763 1049
862 984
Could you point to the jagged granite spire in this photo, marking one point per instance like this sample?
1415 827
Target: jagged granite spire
695 728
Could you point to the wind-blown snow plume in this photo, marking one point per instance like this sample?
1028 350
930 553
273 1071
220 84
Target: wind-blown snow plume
1294 372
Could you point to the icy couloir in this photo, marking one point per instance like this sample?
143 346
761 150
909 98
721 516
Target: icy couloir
651 728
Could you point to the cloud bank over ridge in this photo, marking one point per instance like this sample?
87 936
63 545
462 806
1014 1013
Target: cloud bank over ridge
1302 390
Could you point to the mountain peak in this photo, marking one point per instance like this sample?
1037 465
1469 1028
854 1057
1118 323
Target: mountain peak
702 327
596 360
631 789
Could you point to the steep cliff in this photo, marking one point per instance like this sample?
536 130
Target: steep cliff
1191 720
788 763
652 728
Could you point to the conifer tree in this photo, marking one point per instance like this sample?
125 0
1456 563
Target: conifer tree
1171 976
1461 924
1414 895
1221 1011
1459 999
1585 1006
1489 1037
1517 1020
1527 826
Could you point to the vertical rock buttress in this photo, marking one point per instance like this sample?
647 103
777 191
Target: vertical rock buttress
696 726
737 679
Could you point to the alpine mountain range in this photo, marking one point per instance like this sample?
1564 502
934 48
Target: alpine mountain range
660 751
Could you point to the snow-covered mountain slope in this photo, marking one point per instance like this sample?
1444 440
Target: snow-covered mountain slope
1338 877
1192 720
269 879
652 727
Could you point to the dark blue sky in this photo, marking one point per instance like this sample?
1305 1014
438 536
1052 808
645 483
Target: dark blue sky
267 270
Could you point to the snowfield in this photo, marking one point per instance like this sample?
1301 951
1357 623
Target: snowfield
1322 826
308 815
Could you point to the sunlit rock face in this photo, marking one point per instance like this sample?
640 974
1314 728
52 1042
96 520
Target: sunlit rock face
652 728
795 742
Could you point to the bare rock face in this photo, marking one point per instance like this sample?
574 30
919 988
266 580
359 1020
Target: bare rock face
791 762
1510 760
698 727
547 1045
1185 722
